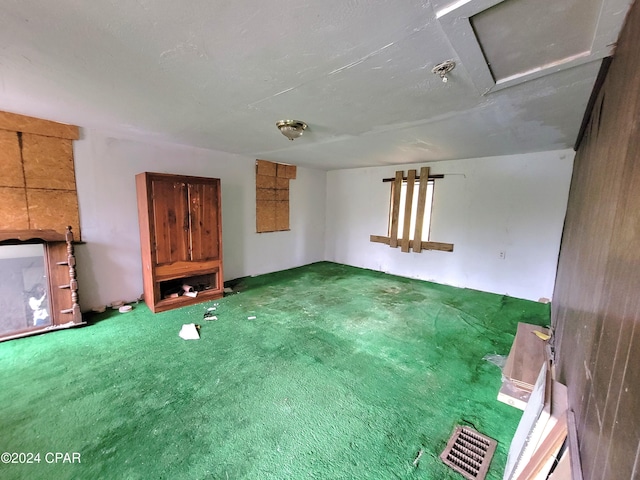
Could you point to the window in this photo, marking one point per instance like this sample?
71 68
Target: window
426 218
272 195
410 213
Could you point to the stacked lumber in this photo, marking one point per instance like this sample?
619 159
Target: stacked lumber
541 434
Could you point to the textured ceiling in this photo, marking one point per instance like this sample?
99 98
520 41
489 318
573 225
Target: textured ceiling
218 74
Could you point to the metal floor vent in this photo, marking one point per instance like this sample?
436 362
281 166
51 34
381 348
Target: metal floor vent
469 453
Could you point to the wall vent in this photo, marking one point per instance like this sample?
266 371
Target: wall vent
469 453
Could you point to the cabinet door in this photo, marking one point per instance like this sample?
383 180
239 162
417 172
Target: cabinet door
204 216
170 221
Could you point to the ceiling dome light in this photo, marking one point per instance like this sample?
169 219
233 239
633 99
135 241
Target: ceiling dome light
442 69
291 129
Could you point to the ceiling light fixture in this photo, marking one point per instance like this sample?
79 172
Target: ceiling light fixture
291 129
442 69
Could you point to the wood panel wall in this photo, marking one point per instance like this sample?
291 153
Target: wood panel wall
596 303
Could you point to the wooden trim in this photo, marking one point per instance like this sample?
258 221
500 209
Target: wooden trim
574 447
602 75
422 200
395 204
21 123
30 235
443 247
408 204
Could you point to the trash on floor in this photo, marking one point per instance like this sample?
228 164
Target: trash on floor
117 304
125 308
252 317
189 331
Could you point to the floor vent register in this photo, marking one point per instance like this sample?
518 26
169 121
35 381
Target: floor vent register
469 453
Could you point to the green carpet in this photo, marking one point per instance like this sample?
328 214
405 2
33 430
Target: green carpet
344 373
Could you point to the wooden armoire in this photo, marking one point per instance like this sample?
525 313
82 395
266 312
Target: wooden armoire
180 239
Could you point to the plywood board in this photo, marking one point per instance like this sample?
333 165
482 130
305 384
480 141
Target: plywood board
443 247
10 160
266 194
13 209
526 356
265 216
263 167
281 195
22 123
282 215
53 210
48 162
408 206
282 183
422 200
265 181
395 209
286 171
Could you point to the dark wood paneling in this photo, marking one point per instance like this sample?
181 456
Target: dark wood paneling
596 307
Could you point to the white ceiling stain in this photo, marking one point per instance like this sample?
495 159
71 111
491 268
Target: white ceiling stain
218 74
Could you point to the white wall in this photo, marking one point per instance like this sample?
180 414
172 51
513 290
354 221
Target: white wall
515 204
109 265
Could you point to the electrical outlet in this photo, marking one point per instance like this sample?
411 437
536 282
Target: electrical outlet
502 254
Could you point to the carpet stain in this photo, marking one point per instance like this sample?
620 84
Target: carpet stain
344 373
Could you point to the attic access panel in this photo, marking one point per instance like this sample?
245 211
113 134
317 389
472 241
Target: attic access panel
517 36
502 43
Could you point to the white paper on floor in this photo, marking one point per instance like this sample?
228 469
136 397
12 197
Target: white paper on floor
189 332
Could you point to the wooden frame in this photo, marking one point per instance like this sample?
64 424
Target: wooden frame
62 285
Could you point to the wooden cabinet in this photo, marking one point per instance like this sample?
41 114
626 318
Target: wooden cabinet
180 239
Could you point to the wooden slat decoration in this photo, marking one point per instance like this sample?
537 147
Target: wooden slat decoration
408 205
422 199
417 244
22 123
443 247
395 204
